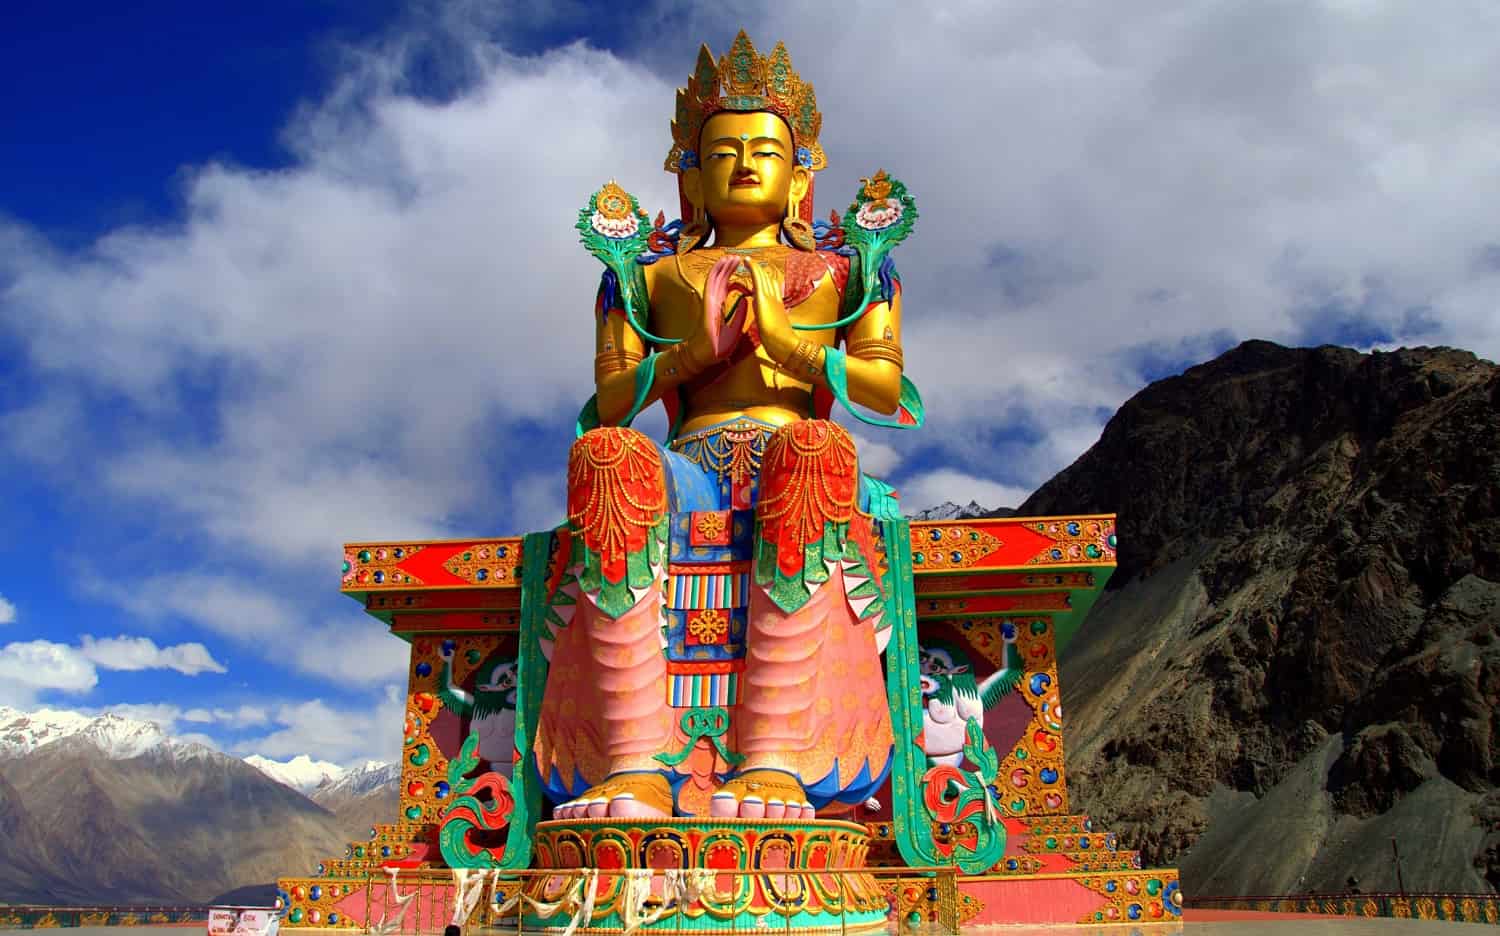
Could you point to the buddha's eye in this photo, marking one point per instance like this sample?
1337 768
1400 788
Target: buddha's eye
725 154
769 153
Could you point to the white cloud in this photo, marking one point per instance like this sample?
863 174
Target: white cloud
937 487
142 653
346 736
165 715
349 734
538 502
351 649
7 611
31 667
188 723
224 604
244 716
877 459
308 285
1166 179
395 309
34 430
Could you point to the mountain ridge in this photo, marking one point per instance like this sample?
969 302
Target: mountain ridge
1300 641
114 735
158 813
948 510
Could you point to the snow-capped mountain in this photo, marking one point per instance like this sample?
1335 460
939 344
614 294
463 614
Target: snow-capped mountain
321 780
359 781
59 856
119 738
951 511
301 773
165 805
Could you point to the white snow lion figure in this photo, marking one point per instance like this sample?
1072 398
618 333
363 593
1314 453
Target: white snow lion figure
951 696
491 709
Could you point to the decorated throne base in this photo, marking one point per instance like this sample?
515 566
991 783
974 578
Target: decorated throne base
823 882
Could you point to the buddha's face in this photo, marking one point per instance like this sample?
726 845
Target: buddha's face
749 171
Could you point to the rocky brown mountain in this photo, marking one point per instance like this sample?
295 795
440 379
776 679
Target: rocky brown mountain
173 823
21 869
1297 660
362 798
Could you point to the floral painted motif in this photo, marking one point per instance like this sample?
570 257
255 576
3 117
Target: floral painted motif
615 228
878 215
709 626
712 525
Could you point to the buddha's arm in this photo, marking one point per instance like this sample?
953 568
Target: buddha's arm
618 355
872 355
872 349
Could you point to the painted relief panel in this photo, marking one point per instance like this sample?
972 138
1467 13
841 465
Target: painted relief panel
457 684
1002 672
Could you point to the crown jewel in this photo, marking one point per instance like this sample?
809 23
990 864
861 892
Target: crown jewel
744 80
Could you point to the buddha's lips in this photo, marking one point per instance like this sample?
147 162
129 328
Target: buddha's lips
745 182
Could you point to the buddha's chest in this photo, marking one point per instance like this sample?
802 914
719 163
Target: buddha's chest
813 292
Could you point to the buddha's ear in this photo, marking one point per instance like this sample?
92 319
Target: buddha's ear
801 179
692 187
694 229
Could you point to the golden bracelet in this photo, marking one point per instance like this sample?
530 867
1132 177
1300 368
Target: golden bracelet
805 358
813 367
876 349
614 362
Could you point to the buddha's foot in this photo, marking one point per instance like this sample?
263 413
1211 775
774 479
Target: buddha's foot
632 795
761 794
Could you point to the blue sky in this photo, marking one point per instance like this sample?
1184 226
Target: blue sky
281 276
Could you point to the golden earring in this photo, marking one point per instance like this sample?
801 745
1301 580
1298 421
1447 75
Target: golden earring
797 231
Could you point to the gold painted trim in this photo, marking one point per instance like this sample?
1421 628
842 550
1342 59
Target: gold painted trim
1065 875
695 821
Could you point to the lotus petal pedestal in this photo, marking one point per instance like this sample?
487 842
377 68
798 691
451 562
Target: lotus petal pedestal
823 884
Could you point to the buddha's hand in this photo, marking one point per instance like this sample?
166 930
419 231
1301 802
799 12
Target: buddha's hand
717 335
776 334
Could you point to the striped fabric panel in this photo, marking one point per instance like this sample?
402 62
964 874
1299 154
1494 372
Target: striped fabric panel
700 690
696 592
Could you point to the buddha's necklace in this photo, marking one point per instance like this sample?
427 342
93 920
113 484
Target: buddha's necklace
699 265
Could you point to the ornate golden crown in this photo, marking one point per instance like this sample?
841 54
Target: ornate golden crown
744 80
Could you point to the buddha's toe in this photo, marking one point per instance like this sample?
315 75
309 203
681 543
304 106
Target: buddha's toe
633 794
723 806
627 806
761 794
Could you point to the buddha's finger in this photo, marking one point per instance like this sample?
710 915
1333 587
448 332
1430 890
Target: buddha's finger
713 297
758 274
730 334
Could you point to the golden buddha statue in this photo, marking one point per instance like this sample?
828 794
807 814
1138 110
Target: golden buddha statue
715 641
